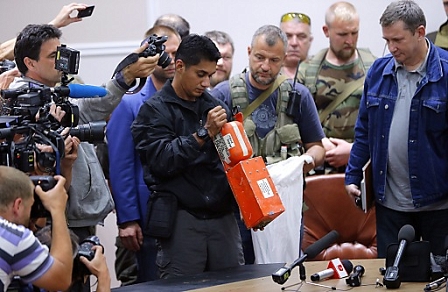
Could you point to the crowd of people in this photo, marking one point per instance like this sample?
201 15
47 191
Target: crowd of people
176 214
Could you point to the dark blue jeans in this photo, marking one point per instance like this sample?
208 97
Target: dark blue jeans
430 226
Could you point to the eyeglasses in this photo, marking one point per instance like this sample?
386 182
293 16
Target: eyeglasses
295 15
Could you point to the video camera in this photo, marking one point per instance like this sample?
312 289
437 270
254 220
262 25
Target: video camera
26 121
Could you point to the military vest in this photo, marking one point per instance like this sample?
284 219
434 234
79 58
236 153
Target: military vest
340 123
285 132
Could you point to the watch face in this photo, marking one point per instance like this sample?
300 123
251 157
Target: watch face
202 132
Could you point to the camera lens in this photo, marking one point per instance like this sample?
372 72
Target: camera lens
164 60
92 132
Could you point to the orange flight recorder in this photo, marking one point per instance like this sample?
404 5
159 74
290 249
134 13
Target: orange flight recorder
249 178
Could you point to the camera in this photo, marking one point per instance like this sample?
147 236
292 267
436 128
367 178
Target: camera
46 182
156 46
6 65
92 132
86 250
67 59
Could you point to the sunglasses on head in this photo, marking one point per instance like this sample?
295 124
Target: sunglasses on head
295 15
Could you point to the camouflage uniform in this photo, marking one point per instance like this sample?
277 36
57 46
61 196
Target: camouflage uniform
326 81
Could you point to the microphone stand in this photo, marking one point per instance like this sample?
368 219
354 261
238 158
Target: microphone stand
302 275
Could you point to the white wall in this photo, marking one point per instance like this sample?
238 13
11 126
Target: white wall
116 27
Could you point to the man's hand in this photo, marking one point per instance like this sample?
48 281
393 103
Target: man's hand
98 267
6 78
131 235
54 200
339 154
216 118
70 156
142 68
63 18
353 191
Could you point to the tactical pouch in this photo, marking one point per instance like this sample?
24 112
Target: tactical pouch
162 212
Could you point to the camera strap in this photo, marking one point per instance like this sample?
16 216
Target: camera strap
128 60
264 95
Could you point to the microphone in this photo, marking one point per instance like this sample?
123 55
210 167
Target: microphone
80 91
435 284
282 274
391 278
355 278
336 269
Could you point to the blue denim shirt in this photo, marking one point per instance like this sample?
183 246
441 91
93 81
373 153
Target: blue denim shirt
428 129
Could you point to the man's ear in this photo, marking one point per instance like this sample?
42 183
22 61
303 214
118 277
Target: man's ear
180 65
17 205
325 30
29 63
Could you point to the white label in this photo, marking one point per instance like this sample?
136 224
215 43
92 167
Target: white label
265 188
221 147
229 141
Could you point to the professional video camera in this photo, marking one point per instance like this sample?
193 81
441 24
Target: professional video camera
156 46
26 121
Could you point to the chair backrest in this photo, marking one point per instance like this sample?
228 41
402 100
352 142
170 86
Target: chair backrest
330 208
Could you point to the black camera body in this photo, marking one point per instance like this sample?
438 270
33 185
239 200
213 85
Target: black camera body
6 65
156 46
67 60
86 250
46 182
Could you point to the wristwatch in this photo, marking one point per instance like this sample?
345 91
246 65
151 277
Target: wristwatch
203 133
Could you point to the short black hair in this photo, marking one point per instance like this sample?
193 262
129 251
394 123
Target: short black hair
30 40
195 48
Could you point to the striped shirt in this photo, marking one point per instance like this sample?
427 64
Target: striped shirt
21 254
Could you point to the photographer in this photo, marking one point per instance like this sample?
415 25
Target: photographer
50 270
90 200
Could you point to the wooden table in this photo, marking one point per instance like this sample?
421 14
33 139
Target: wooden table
368 281
257 278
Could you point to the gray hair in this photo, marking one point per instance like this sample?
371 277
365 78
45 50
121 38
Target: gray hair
405 10
220 37
180 24
272 34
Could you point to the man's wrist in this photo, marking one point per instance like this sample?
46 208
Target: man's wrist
120 78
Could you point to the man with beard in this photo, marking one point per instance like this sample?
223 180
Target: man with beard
225 46
297 27
335 78
272 120
129 191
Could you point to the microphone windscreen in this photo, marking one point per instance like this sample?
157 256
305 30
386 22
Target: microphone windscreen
313 250
348 266
407 233
82 91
